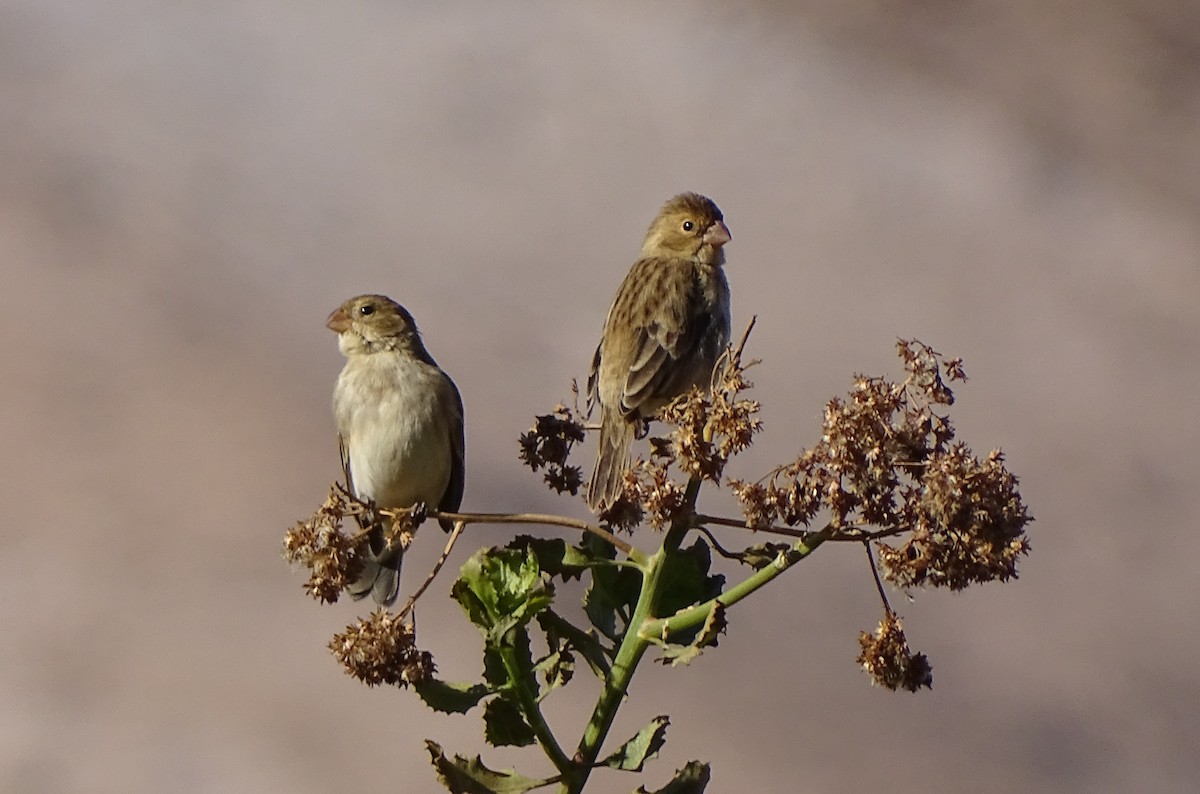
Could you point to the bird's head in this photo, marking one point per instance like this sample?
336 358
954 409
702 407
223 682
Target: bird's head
370 323
689 226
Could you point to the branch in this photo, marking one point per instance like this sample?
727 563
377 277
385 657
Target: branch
887 607
547 519
661 628
527 702
701 519
458 528
733 355
854 533
633 646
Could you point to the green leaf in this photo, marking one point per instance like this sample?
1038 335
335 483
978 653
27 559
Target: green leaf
634 754
561 634
451 698
714 626
505 726
555 557
692 779
686 582
469 776
613 590
501 589
494 671
515 644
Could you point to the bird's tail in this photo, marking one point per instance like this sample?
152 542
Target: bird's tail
611 462
381 572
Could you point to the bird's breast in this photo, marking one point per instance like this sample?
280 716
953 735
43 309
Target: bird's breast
393 416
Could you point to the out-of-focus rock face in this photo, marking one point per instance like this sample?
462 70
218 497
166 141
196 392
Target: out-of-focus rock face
186 190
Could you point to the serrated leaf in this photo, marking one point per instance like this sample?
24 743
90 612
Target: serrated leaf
612 593
451 698
469 776
706 637
562 633
692 779
504 725
501 589
633 755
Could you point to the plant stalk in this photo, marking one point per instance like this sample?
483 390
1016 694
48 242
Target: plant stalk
633 645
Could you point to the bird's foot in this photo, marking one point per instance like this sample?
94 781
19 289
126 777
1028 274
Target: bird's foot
418 513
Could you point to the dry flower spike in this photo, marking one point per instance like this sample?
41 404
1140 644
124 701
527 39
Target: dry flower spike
888 465
318 544
382 650
887 659
548 444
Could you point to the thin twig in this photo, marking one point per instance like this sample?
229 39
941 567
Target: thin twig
741 345
732 356
729 555
540 518
700 519
845 534
887 607
859 535
437 568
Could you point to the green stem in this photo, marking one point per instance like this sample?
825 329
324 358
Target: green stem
629 653
660 628
532 711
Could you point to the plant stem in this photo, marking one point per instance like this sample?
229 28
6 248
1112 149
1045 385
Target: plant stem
690 618
629 653
519 677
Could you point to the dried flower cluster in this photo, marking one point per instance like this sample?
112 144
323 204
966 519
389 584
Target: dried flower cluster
886 465
711 426
648 491
548 444
333 558
382 650
968 527
886 658
318 544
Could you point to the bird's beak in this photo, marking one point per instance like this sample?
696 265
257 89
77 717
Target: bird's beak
717 235
338 322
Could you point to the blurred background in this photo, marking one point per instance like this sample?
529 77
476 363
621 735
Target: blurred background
188 189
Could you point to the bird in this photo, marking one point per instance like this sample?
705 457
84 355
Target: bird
400 426
664 332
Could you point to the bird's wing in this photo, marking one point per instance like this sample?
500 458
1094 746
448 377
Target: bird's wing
452 498
667 330
593 382
344 455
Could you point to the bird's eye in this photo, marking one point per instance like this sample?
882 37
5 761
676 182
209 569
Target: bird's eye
688 226
367 310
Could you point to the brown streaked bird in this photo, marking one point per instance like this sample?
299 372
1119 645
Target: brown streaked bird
667 325
400 424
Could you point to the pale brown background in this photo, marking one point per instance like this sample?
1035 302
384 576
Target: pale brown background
187 189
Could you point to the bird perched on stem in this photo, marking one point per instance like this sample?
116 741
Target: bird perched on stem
400 423
665 330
